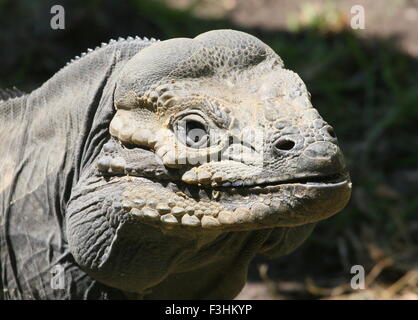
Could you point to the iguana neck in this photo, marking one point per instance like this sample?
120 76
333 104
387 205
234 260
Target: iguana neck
55 123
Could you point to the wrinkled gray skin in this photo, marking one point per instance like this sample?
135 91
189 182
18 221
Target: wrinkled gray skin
102 174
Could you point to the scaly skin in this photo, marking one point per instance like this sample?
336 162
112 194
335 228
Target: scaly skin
213 154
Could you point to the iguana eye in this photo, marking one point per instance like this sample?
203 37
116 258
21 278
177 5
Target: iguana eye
192 131
196 134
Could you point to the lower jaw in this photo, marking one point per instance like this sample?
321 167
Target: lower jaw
183 208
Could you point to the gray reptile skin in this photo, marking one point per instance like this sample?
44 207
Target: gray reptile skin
156 170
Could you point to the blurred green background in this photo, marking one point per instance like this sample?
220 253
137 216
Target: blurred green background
363 82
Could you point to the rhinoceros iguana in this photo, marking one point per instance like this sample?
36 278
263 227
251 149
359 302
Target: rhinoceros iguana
159 169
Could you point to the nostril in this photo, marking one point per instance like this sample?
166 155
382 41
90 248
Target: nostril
284 144
331 132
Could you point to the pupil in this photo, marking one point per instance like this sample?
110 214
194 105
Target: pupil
195 130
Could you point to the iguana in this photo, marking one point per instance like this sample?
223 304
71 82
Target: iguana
159 169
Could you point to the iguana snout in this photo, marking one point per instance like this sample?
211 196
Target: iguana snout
322 159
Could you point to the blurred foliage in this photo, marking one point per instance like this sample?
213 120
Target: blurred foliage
366 88
323 16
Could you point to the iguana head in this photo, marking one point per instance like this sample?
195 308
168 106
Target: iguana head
191 140
231 139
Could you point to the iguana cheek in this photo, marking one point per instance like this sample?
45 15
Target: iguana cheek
128 127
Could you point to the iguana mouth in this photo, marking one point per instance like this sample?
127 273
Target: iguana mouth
252 183
173 205
315 181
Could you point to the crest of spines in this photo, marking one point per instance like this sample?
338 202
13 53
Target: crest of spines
112 41
11 93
